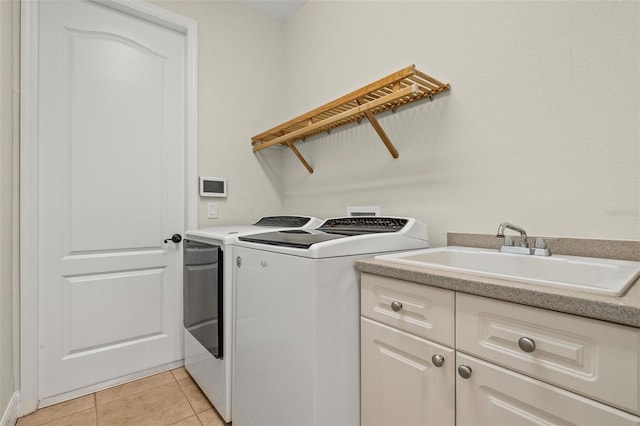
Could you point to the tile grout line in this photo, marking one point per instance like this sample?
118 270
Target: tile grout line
185 397
131 382
95 406
94 397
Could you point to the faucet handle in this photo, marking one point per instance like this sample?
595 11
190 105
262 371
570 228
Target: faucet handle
540 243
540 247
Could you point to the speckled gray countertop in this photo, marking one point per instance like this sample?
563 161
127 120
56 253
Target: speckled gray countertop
622 310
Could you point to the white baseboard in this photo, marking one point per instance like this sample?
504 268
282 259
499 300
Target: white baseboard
108 384
11 414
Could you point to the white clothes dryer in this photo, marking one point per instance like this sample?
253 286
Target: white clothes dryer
208 302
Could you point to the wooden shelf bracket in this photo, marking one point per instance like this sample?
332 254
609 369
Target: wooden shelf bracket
397 89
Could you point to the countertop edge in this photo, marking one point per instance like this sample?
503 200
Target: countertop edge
624 310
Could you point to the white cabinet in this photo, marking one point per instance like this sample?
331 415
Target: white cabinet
405 378
497 396
525 365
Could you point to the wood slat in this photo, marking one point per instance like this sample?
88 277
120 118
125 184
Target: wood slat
300 157
383 135
432 80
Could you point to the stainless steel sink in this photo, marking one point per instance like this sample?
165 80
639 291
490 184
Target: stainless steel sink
603 276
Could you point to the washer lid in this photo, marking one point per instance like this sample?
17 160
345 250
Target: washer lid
296 238
331 229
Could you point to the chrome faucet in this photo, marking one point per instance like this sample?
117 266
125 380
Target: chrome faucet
540 246
523 234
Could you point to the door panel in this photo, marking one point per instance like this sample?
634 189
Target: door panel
113 79
111 189
104 309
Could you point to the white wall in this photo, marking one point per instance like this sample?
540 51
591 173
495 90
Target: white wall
240 75
541 127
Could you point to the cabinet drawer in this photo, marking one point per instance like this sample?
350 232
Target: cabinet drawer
594 358
425 311
496 396
401 385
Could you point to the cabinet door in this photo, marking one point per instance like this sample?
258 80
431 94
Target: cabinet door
594 358
496 396
400 383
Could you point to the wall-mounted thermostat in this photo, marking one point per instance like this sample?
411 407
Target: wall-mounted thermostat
213 187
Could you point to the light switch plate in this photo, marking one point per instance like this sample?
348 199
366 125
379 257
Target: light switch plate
212 210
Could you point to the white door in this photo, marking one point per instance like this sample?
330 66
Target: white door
111 189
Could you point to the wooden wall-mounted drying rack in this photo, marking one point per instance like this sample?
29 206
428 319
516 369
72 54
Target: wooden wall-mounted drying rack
400 88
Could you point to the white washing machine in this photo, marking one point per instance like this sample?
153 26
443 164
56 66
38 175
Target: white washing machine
297 338
208 302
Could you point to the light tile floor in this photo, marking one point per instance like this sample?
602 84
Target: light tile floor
169 398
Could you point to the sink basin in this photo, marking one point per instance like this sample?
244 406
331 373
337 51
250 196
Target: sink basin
603 276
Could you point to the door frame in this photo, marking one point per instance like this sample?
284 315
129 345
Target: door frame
29 165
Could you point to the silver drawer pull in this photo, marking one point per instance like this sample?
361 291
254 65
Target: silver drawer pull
527 344
396 306
464 371
437 360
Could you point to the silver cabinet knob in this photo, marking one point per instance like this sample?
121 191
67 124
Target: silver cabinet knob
437 360
464 371
396 306
527 344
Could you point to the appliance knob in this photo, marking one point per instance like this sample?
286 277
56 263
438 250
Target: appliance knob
176 238
239 261
396 306
464 371
527 344
437 360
